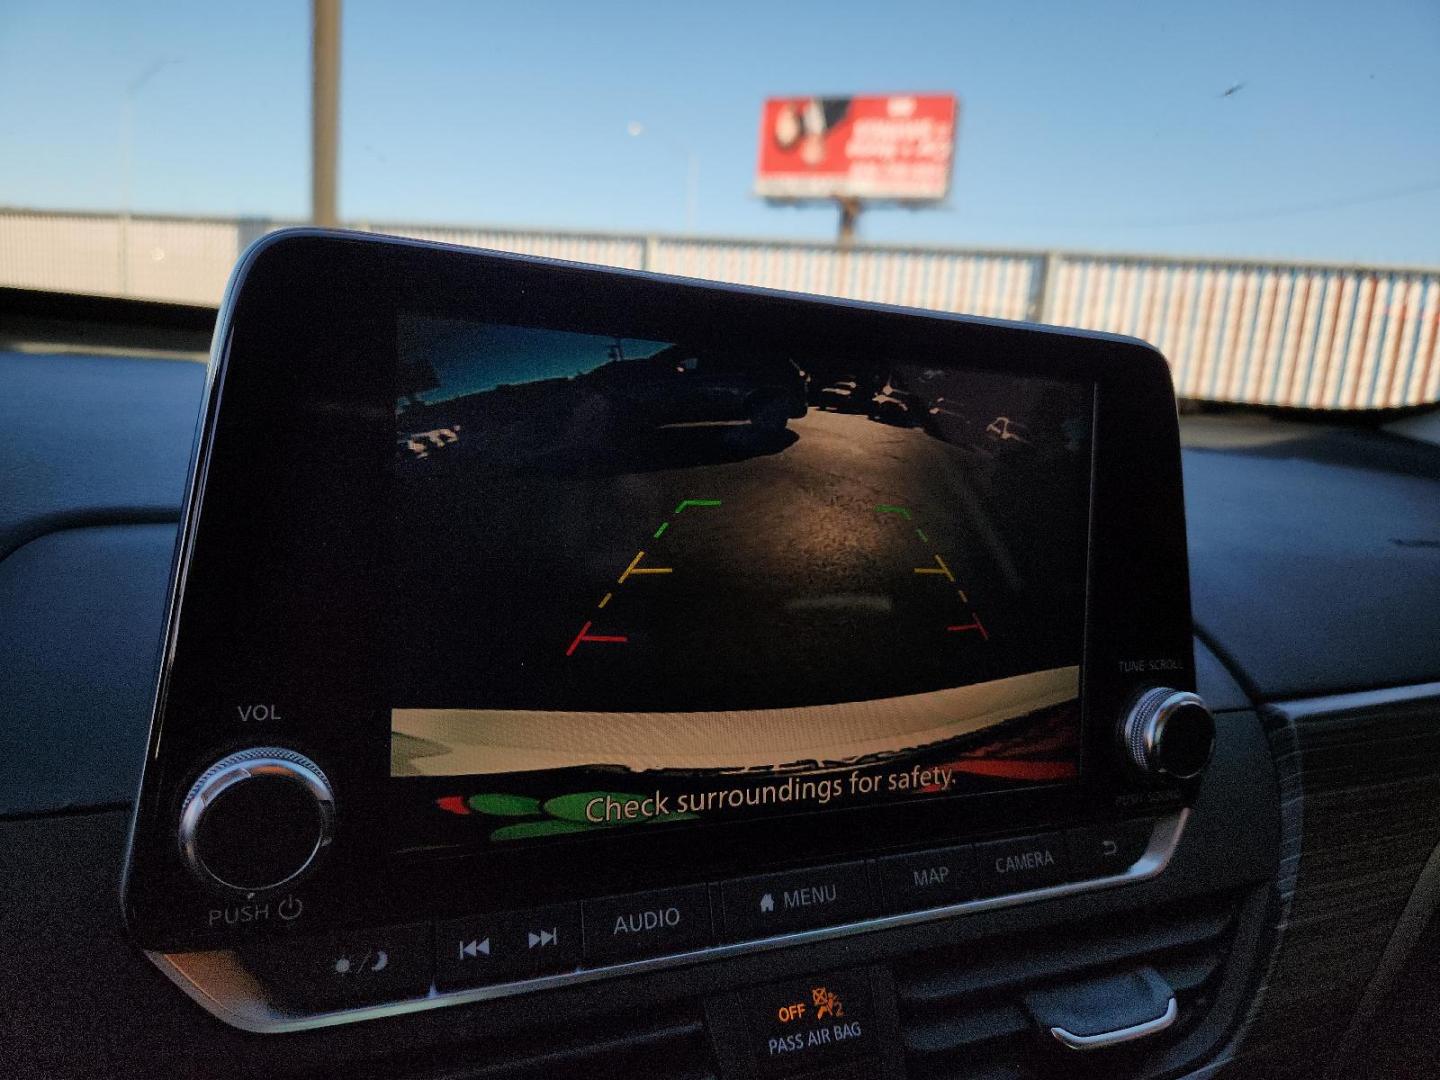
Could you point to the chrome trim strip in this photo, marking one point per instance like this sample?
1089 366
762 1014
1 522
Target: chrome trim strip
1389 697
216 980
1107 1039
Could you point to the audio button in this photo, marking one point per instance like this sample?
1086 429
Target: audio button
665 921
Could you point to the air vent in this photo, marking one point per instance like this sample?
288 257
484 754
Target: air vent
961 1011
666 1045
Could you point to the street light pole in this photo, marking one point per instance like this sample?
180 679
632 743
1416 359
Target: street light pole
127 137
692 189
324 110
692 169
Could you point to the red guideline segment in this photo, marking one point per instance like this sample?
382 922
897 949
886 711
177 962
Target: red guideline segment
976 625
585 635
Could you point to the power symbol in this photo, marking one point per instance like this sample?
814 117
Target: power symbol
290 908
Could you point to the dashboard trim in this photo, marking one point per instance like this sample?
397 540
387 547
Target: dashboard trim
1107 1039
220 985
1424 897
1305 708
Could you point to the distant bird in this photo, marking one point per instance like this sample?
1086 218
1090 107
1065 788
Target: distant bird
1234 90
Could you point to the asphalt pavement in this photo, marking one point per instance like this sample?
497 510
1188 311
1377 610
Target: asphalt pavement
719 567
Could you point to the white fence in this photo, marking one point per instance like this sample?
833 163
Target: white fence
1269 333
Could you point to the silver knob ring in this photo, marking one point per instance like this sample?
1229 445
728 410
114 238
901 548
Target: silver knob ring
259 762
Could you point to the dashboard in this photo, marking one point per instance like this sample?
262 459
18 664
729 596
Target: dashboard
1281 903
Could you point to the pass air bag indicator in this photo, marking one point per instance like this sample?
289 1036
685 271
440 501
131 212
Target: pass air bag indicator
800 1024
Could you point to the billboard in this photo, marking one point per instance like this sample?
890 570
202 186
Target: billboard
896 146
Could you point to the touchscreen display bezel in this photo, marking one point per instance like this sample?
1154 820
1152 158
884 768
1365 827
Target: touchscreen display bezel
277 597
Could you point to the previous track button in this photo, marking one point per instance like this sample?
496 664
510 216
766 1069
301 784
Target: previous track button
508 946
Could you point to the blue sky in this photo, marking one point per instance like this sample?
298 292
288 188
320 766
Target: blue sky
469 357
1097 125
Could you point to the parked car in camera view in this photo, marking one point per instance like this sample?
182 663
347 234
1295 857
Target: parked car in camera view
944 420
684 385
1002 429
843 396
895 406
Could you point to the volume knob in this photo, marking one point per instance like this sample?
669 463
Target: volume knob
1168 734
256 820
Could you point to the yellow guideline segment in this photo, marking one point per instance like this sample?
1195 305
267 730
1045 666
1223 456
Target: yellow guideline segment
636 568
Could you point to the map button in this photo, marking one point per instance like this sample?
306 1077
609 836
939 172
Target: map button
927 879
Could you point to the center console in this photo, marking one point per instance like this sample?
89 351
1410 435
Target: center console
535 626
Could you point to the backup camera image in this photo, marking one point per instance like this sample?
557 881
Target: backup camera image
644 581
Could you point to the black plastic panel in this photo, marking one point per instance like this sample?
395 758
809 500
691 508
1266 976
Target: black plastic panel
1215 683
81 613
92 440
83 1002
1315 554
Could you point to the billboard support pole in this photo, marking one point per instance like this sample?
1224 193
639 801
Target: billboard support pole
850 207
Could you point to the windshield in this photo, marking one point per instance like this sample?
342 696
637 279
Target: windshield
1254 189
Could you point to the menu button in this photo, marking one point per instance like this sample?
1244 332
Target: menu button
798 900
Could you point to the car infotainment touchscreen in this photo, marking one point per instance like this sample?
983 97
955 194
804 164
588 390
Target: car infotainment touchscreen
652 583
506 583
534 624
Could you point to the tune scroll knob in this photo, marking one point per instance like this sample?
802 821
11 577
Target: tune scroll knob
1168 734
256 820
